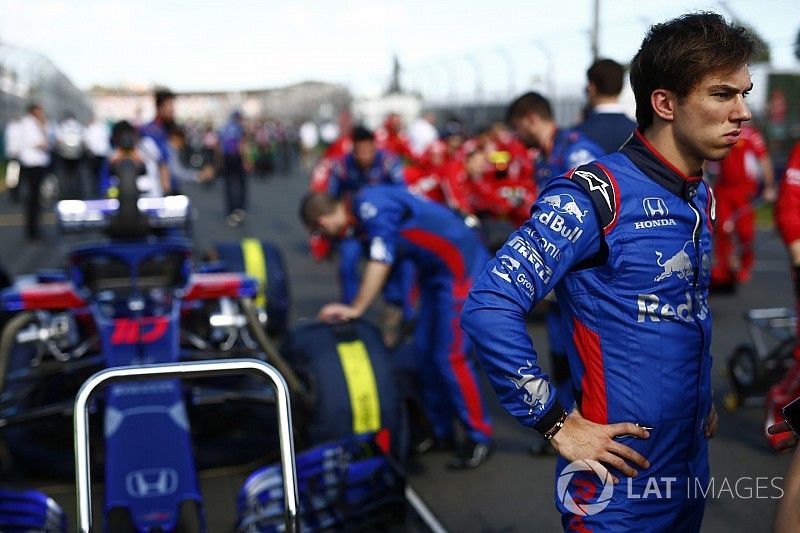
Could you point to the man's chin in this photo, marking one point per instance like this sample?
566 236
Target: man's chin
719 154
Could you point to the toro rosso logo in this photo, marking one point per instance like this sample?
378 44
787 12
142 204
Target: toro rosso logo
146 330
679 264
565 204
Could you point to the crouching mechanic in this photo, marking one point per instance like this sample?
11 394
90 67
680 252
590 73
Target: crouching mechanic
630 264
447 255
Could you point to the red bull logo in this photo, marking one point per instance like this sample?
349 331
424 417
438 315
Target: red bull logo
565 203
558 224
679 264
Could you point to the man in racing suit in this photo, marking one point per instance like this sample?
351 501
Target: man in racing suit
447 255
365 166
559 151
628 251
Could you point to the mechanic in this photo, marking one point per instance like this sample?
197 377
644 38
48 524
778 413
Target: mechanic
787 220
735 187
606 124
446 254
235 166
368 165
157 131
626 243
559 151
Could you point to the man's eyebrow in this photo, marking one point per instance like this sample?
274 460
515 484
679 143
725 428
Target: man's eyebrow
728 88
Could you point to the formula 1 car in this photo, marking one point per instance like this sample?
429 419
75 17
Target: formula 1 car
134 299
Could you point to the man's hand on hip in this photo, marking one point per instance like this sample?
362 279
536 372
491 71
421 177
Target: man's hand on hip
583 439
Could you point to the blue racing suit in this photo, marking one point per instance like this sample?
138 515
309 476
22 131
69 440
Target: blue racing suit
347 179
446 255
626 243
570 150
158 132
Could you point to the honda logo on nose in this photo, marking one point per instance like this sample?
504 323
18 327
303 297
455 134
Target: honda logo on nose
151 482
655 207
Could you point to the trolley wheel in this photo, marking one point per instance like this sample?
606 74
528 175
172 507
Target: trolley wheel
745 369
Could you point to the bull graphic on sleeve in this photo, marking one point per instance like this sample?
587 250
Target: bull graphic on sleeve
565 204
536 390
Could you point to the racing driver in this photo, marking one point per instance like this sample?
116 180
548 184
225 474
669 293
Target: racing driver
630 267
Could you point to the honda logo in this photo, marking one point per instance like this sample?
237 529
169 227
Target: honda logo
655 207
151 482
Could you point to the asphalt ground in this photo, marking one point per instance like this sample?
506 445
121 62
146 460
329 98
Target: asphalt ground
513 491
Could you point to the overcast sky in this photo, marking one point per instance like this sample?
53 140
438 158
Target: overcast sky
446 47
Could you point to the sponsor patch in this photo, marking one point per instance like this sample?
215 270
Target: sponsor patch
565 204
520 245
679 264
559 225
657 212
509 264
367 211
378 251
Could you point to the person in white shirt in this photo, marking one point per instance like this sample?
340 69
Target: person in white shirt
34 160
11 144
97 139
422 133
68 152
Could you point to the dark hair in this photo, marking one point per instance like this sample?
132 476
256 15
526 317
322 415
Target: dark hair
361 133
530 102
162 95
174 129
675 55
123 135
607 76
314 205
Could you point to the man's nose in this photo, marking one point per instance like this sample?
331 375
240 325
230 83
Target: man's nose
742 111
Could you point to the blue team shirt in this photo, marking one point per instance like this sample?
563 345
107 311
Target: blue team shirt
570 150
348 178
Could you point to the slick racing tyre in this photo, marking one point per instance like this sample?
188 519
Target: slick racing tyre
264 262
350 376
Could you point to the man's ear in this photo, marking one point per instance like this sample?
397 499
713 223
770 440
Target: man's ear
663 103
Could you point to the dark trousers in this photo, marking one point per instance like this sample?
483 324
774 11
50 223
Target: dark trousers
235 182
95 166
70 178
31 178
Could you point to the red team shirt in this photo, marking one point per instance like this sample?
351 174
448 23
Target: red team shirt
787 208
738 172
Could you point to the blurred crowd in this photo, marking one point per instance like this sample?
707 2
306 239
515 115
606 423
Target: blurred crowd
48 159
